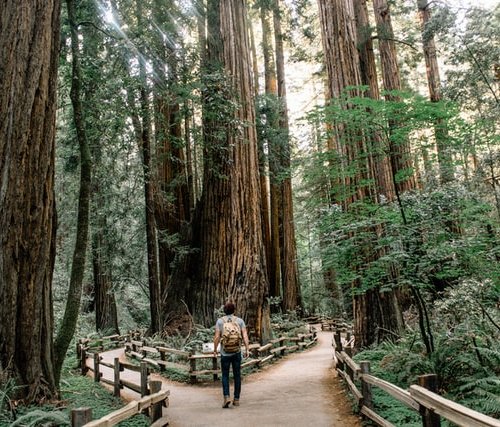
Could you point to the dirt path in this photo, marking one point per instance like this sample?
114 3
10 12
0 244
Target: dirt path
300 390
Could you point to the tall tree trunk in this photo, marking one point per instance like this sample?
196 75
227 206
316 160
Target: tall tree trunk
28 80
145 141
380 162
263 160
371 309
68 324
102 298
232 263
445 159
343 70
106 316
269 133
288 250
172 211
400 153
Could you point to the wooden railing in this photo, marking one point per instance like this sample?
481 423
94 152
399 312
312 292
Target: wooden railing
421 398
156 356
260 354
117 366
153 403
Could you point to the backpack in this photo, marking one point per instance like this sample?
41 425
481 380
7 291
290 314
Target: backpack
231 335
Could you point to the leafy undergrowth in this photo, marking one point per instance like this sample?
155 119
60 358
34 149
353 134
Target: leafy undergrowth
465 356
76 391
80 391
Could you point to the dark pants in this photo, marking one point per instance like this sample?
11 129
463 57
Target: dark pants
226 362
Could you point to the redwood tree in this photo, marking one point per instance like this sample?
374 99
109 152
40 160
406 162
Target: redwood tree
372 309
231 257
268 134
289 268
171 196
28 76
400 153
433 80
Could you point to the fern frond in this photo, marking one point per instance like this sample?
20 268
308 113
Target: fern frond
38 418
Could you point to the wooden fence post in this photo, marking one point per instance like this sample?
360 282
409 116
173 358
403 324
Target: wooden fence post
81 416
366 389
97 374
214 367
429 417
156 409
338 348
163 358
192 368
144 378
338 340
117 384
83 359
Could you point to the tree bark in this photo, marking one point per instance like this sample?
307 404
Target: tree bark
172 197
145 144
289 268
263 158
380 163
372 310
400 153
268 134
106 316
445 159
100 294
232 259
72 309
29 47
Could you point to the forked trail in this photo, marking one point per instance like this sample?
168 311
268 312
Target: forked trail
300 390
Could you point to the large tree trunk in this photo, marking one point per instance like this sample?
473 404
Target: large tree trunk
445 159
101 296
144 126
106 316
343 70
380 163
400 153
263 158
372 309
72 309
268 134
172 211
232 263
288 250
28 78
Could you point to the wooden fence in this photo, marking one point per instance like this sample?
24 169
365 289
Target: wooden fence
153 403
260 354
421 398
156 356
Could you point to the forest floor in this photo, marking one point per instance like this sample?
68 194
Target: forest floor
302 389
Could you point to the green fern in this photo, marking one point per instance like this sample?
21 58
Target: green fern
38 417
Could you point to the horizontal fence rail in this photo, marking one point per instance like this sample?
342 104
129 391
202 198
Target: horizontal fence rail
421 398
82 417
156 356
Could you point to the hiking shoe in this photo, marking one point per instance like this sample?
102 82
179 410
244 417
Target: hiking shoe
236 402
227 402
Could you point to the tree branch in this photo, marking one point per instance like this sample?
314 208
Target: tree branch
90 23
395 40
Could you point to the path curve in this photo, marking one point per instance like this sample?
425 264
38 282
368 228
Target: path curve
300 390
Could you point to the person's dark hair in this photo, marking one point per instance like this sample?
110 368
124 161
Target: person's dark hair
229 307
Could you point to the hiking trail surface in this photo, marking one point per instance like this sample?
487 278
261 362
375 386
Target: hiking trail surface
302 389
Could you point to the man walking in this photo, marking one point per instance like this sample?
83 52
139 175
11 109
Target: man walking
230 331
